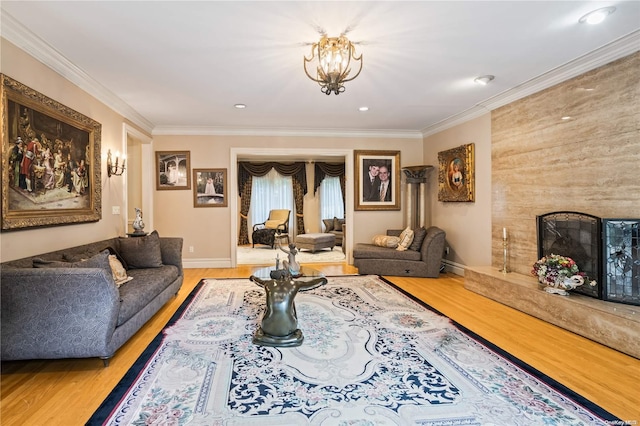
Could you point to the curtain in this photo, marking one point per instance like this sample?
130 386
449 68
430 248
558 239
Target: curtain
323 169
331 200
247 170
269 192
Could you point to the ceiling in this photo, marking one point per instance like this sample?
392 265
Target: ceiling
179 66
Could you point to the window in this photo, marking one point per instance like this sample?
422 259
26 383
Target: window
331 202
269 192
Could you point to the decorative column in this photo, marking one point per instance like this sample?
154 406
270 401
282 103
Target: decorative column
416 194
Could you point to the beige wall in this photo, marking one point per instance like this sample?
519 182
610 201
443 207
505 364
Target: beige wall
589 163
207 230
467 224
16 244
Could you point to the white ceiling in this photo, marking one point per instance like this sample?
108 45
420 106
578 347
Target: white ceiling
180 66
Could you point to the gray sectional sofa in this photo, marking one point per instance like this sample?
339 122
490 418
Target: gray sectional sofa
66 304
421 260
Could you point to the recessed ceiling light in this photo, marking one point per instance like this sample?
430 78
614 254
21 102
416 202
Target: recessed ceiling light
597 16
240 106
566 117
484 79
363 109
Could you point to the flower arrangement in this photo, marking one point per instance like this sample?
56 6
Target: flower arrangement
554 268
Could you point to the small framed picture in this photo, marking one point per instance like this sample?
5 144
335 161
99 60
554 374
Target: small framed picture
377 180
173 170
209 187
456 174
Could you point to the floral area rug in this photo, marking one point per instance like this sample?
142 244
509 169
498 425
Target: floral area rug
371 355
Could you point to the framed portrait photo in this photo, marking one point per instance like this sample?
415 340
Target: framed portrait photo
456 174
50 161
173 170
377 175
209 187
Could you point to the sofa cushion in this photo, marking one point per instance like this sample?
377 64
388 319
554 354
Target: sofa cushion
406 237
337 224
418 238
141 252
100 260
369 251
385 241
145 286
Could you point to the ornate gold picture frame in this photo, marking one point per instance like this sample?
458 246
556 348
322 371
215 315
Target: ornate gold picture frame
209 187
51 163
377 175
456 181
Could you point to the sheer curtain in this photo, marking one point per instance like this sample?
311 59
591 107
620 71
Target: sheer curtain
269 192
331 201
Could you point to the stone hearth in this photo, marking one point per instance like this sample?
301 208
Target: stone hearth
611 324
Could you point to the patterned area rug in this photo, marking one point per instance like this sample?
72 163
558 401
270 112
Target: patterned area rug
371 355
264 255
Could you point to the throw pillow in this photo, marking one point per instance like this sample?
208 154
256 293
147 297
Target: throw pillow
118 271
337 224
118 256
406 237
141 252
418 237
328 225
386 241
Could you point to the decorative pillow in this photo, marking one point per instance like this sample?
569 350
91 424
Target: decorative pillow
100 260
328 225
141 252
118 256
418 237
406 237
337 224
386 241
118 271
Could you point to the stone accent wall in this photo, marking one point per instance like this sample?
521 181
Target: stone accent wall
589 163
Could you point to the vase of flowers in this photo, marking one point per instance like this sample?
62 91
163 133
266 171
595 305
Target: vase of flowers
559 274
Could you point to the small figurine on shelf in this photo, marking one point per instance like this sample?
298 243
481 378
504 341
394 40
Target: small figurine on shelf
291 264
138 224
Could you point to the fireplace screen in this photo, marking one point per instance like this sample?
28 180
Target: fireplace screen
621 249
574 235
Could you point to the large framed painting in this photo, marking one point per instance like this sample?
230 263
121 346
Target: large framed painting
50 161
209 187
377 180
173 170
456 180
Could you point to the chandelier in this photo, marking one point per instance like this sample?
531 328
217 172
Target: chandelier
334 55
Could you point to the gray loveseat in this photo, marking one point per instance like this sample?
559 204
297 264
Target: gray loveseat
422 261
66 304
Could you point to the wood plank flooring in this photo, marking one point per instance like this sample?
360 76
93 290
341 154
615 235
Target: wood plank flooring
67 392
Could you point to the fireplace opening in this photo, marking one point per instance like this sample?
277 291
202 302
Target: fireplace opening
606 250
574 235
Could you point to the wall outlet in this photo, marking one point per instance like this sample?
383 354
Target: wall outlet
115 210
190 249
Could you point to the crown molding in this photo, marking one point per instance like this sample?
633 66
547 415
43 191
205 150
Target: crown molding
19 34
617 49
329 133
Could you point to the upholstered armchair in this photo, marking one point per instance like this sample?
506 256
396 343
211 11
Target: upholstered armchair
276 226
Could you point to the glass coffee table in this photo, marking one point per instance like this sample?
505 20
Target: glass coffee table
279 326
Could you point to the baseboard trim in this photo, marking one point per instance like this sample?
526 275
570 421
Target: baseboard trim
206 263
453 267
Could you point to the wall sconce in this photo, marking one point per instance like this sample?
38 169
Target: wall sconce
115 170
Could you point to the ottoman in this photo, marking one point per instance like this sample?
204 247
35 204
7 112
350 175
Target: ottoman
315 242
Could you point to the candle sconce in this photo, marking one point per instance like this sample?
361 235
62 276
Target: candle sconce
115 170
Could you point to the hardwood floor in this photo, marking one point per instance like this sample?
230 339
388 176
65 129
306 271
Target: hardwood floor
67 392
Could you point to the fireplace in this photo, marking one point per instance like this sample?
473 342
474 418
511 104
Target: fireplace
606 250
